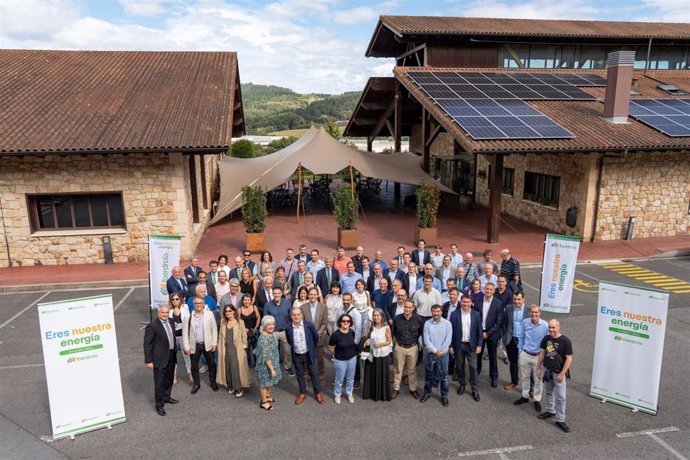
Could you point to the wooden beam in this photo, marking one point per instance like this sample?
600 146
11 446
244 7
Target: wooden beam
412 51
364 121
193 189
398 116
426 145
435 134
373 105
204 186
382 120
494 224
390 128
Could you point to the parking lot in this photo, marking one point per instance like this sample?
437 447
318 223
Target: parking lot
210 425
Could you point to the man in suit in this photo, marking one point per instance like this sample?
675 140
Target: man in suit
160 355
176 283
191 273
316 313
297 278
491 311
445 271
246 255
421 256
236 272
265 293
393 272
461 281
383 297
302 254
374 280
326 276
200 337
202 276
303 339
513 315
467 343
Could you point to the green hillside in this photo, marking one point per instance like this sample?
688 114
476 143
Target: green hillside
268 109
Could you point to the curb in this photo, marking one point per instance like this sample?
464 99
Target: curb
72 285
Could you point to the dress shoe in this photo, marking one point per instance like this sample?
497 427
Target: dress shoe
461 390
509 386
424 398
394 394
356 385
415 394
505 360
300 398
545 415
320 399
171 401
537 406
214 386
565 428
475 395
289 372
160 411
521 401
195 388
494 383
444 401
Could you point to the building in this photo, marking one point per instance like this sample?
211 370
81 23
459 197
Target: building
110 144
594 170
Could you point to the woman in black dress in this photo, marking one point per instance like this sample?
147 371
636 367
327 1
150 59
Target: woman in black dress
248 283
251 317
376 375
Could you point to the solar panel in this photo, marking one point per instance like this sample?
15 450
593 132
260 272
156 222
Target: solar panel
670 116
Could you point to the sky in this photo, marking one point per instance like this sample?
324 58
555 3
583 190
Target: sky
309 46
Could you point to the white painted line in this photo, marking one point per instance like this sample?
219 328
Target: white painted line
501 451
71 290
530 286
123 299
647 432
665 445
590 277
20 366
19 314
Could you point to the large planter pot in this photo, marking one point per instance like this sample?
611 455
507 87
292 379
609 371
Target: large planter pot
348 238
429 235
255 242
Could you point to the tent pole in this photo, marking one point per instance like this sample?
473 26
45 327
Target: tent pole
299 188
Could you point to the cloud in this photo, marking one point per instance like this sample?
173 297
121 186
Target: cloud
666 10
35 20
355 15
142 7
537 9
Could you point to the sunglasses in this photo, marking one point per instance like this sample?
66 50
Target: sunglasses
346 321
172 300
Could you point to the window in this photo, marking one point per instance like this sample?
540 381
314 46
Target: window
76 211
542 189
508 181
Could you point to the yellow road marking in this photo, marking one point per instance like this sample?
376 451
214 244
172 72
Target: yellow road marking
652 277
641 274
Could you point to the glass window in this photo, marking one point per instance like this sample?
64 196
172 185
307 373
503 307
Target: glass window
76 211
542 57
542 188
592 57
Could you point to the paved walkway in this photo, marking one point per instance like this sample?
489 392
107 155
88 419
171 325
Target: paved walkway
385 225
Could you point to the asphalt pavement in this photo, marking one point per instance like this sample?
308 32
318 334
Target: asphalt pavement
211 425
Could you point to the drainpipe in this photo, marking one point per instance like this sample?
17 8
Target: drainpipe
595 217
4 231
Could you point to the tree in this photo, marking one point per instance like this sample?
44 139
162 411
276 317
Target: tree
242 148
332 129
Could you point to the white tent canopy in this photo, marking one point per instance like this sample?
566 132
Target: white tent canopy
319 153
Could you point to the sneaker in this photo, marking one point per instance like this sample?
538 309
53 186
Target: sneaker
239 393
351 399
337 399
289 371
203 369
231 390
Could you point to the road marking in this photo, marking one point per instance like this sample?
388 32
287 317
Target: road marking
584 286
659 280
652 434
501 451
20 366
19 314
530 286
123 299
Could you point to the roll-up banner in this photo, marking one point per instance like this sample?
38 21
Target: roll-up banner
164 254
82 366
629 345
558 273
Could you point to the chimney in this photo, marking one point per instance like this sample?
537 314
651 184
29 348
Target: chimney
618 84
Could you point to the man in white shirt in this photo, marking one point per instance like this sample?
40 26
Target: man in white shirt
426 297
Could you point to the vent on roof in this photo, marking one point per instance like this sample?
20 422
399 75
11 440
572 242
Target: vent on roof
672 89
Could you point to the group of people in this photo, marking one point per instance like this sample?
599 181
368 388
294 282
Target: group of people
369 314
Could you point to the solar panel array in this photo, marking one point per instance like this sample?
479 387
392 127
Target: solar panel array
670 116
489 105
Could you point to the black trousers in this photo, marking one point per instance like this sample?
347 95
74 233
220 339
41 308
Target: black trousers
210 362
512 351
466 354
300 363
492 346
163 379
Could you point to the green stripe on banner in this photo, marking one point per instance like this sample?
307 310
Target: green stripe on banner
93 425
625 403
58 302
642 288
81 349
563 237
625 331
166 237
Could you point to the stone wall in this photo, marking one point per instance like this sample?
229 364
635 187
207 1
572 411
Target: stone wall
442 145
156 198
652 187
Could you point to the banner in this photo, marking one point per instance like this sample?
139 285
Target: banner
558 273
629 345
82 366
164 254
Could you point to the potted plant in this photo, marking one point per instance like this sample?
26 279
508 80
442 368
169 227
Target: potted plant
254 216
345 210
428 199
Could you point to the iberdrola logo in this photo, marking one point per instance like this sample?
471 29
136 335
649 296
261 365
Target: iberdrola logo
73 359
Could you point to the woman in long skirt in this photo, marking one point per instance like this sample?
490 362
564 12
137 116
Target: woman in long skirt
376 374
233 371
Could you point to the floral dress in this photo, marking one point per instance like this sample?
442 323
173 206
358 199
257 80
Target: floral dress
267 350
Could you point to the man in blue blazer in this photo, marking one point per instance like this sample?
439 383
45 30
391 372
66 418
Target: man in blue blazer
491 311
176 283
303 339
420 256
191 274
466 343
326 276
